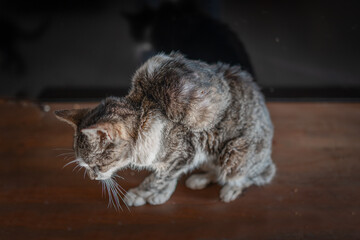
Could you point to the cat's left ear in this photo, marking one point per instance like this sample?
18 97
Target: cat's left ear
72 117
101 130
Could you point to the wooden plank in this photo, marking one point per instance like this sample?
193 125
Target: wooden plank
315 194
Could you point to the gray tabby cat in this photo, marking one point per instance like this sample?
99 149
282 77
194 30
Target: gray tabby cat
179 115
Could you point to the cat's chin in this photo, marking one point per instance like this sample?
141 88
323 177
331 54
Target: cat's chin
101 178
106 175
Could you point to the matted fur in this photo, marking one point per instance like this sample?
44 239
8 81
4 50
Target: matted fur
180 115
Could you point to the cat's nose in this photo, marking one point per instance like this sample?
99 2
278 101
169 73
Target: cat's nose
93 173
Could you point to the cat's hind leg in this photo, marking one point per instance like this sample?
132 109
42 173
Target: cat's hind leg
243 165
232 189
265 176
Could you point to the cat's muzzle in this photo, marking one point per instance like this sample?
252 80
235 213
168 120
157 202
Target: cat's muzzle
92 175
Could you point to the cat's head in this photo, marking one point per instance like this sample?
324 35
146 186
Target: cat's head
103 136
139 22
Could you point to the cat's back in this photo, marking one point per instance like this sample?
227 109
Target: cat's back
247 109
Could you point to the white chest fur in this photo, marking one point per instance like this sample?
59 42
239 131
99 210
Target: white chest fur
148 144
199 158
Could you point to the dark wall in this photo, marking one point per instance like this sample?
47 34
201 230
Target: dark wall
82 49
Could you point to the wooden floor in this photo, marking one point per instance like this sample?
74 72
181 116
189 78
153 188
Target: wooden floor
315 194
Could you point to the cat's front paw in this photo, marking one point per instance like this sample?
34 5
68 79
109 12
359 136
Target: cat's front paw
161 196
133 198
230 193
138 197
158 198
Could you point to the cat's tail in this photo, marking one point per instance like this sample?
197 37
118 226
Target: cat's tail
187 91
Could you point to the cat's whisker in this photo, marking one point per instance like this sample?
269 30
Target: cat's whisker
66 154
77 166
63 149
122 199
81 167
115 194
115 198
112 188
116 185
108 191
122 190
73 161
111 196
67 158
119 189
117 176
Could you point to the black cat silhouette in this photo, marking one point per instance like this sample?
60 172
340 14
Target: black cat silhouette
11 60
183 27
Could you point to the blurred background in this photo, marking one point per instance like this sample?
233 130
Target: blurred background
86 50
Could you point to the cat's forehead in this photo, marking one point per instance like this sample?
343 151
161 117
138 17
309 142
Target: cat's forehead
110 109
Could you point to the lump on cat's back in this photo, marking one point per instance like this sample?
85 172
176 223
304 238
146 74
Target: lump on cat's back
186 90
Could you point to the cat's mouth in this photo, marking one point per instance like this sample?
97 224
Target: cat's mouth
101 177
95 174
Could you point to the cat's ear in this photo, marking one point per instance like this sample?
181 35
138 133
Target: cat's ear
72 117
101 130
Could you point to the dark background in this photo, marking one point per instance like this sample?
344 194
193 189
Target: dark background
86 50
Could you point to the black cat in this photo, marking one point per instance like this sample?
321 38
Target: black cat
182 26
11 60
